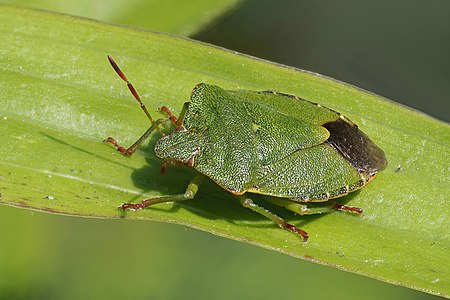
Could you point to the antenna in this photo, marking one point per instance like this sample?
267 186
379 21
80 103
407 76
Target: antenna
134 92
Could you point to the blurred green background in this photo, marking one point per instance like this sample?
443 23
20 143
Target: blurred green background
398 49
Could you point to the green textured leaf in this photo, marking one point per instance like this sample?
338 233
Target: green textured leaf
60 98
174 16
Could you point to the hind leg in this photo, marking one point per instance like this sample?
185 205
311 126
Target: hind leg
312 207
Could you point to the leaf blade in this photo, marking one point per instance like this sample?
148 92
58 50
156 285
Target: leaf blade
61 98
174 16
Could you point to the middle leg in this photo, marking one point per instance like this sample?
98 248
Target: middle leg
248 203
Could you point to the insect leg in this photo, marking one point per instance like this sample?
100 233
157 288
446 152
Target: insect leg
130 150
182 114
313 207
248 203
177 121
342 207
190 192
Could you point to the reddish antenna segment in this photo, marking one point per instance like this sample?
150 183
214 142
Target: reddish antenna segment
134 92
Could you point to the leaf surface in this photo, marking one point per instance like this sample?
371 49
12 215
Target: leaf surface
174 16
60 98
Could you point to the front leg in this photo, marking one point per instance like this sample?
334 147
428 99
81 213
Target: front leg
130 150
190 192
177 121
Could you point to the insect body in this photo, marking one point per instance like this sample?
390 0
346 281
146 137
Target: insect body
289 149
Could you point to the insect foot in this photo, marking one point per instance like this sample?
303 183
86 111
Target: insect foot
342 207
118 147
296 230
135 206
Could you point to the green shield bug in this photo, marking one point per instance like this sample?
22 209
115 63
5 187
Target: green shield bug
286 148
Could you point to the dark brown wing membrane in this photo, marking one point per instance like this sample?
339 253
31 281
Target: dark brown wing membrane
356 147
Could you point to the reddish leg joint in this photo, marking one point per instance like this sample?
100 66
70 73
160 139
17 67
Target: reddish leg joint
163 167
119 148
169 113
172 117
296 230
135 206
343 207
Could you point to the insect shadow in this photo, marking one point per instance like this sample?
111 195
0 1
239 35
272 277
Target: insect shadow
211 201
